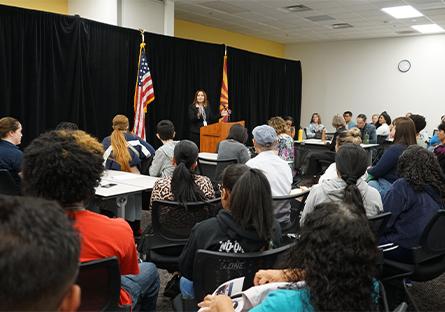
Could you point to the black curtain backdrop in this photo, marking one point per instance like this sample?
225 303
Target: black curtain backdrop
65 68
62 68
261 87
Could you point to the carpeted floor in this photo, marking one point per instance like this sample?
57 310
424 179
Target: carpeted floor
429 296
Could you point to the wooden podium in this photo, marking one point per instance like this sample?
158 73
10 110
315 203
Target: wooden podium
212 134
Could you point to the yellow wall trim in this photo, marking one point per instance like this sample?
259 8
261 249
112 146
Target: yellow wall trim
54 6
189 30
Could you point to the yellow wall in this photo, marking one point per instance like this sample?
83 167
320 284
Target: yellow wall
189 30
55 6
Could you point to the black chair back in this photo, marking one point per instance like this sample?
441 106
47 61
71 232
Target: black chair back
283 203
174 220
214 168
212 268
432 241
172 224
100 283
378 223
7 184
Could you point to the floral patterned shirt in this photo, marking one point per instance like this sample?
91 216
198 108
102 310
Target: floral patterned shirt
286 147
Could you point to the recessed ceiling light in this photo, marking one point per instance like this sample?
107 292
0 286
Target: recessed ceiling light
428 28
341 26
297 8
404 11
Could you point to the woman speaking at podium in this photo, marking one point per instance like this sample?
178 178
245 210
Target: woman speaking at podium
199 115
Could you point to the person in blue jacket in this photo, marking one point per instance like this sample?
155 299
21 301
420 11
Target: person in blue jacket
413 200
384 172
124 151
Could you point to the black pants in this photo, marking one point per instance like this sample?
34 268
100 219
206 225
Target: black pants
316 161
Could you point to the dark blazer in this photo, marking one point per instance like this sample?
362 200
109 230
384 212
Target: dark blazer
195 122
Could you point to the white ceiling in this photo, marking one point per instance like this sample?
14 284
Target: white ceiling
268 20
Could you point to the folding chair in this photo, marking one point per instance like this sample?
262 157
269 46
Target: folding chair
172 224
100 283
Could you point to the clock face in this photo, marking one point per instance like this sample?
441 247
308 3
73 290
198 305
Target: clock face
404 66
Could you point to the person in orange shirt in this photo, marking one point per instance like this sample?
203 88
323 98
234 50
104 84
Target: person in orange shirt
66 166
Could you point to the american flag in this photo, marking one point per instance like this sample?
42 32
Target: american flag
143 95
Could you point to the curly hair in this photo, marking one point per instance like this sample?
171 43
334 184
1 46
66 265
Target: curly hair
40 254
57 166
337 251
278 124
421 169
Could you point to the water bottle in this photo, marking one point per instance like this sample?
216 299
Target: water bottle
366 139
300 135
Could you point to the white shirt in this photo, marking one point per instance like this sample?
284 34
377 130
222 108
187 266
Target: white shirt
382 130
331 173
276 170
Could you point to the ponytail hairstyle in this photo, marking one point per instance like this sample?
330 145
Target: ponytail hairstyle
351 162
251 203
183 184
8 124
119 143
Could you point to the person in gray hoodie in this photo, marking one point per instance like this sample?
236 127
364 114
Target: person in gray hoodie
351 161
162 165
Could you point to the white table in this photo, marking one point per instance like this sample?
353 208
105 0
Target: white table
127 188
319 143
208 156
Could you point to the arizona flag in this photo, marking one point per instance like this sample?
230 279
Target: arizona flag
224 98
143 95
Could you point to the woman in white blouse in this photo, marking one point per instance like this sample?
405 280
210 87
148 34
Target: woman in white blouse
384 122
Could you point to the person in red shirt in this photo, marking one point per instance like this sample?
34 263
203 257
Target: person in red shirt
67 166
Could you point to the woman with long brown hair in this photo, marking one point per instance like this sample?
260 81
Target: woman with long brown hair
199 114
384 172
124 150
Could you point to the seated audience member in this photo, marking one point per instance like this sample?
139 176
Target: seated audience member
285 141
124 151
67 125
384 122
39 251
350 136
67 166
419 124
290 130
338 252
315 127
276 170
349 187
233 147
314 167
435 139
246 224
384 172
348 118
375 120
368 131
439 150
413 200
10 155
184 185
162 165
